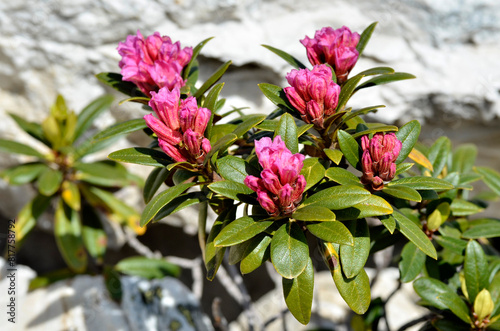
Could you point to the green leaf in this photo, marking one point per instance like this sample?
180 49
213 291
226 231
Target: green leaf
408 135
403 167
453 244
230 189
438 154
212 79
314 213
334 154
412 262
377 71
349 148
90 113
49 181
256 253
372 206
276 95
177 204
10 146
24 173
104 199
355 291
335 232
148 268
422 183
354 257
389 222
287 57
490 178
347 91
153 183
68 233
485 230
475 269
288 132
93 234
141 100
289 250
209 103
411 231
298 294
313 172
464 158
71 195
338 197
240 230
113 283
142 156
214 255
402 192
365 37
115 81
342 176
154 206
196 51
33 129
249 123
235 169
494 289
120 129
221 145
441 296
460 207
26 219
385 79
374 129
103 173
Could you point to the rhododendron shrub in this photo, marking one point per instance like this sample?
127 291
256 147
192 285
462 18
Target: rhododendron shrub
310 176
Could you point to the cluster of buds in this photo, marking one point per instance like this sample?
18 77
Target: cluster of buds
280 188
180 126
313 93
335 47
378 160
154 62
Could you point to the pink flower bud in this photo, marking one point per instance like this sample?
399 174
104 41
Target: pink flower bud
332 98
201 120
317 87
192 141
295 99
345 59
285 196
300 186
165 103
315 113
271 181
172 151
254 183
205 146
377 183
267 203
162 131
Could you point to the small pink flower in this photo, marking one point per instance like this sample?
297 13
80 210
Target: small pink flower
280 188
335 47
180 126
154 62
313 93
378 159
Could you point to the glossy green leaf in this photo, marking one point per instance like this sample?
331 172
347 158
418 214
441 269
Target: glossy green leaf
49 181
314 214
335 232
460 207
494 289
10 146
147 267
159 201
249 123
24 173
422 183
377 71
412 262
120 129
68 234
475 269
403 167
241 230
365 37
210 103
196 51
33 129
235 169
441 296
221 145
212 79
177 204
338 197
214 255
464 158
385 79
347 90
342 176
103 173
334 154
485 230
372 206
93 234
438 154
349 148
374 129
230 189
153 183
411 231
354 257
490 178
115 81
408 135
142 156
141 100
402 192
275 94
362 111
289 250
257 253
454 244
90 113
355 291
389 222
298 294
287 57
26 219
313 172
288 132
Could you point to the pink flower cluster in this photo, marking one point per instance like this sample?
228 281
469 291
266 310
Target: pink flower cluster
313 93
180 126
378 160
280 188
335 47
154 62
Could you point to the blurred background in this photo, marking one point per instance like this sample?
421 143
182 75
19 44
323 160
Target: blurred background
51 47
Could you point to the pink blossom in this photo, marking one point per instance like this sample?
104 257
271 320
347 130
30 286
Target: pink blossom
280 186
378 159
313 93
335 47
153 62
179 126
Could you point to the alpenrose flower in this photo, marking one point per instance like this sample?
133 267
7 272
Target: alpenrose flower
154 62
378 160
335 47
180 126
313 93
280 188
